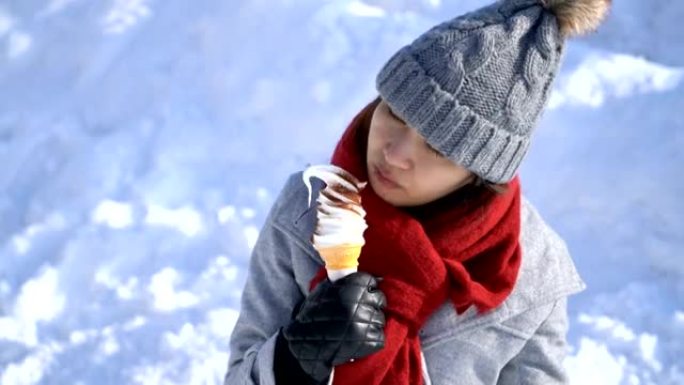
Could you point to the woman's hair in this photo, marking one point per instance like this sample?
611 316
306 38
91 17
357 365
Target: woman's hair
367 115
499 188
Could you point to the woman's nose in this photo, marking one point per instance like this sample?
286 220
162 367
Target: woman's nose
398 154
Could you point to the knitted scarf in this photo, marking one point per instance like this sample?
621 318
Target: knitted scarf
461 248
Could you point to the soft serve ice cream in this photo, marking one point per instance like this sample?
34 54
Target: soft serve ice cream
338 236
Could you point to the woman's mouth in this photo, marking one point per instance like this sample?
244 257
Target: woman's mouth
384 178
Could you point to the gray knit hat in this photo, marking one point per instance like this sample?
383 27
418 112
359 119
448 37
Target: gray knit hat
474 87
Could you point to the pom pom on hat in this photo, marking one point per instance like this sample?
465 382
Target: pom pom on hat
578 17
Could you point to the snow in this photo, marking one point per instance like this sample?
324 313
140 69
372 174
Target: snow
226 214
166 298
143 143
32 369
615 327
251 235
185 219
594 364
117 215
679 317
56 6
248 213
602 76
18 43
359 8
125 14
6 22
39 300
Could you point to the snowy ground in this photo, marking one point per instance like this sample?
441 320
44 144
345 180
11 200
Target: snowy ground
142 143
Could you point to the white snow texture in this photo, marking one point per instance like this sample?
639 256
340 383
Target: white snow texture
142 143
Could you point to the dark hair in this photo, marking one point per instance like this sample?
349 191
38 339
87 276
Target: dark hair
499 188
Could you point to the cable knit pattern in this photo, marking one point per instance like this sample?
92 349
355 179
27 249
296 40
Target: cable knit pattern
475 86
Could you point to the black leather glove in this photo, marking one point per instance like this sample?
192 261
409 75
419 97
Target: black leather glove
336 323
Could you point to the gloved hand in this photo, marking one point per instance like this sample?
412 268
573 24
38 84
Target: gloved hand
336 323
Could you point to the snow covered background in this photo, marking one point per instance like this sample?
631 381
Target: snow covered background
142 143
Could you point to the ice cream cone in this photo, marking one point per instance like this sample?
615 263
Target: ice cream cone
340 261
338 235
341 257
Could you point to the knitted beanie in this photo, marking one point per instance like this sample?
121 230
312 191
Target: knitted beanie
474 87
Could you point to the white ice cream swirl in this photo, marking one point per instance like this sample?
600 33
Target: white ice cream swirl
340 215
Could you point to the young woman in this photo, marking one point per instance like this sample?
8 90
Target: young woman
460 280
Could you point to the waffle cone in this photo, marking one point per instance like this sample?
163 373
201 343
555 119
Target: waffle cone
341 257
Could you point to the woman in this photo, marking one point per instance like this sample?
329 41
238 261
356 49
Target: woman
460 280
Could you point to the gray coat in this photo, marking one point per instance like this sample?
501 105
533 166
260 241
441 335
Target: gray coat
520 342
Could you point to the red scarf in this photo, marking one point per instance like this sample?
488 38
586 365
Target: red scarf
463 248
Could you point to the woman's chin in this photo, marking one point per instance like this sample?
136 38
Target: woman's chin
389 196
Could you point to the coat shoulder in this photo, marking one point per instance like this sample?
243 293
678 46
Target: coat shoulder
294 216
291 210
547 272
547 276
292 198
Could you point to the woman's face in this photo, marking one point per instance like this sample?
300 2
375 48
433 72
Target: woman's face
402 167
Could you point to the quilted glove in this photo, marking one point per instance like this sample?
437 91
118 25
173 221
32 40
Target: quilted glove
336 323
